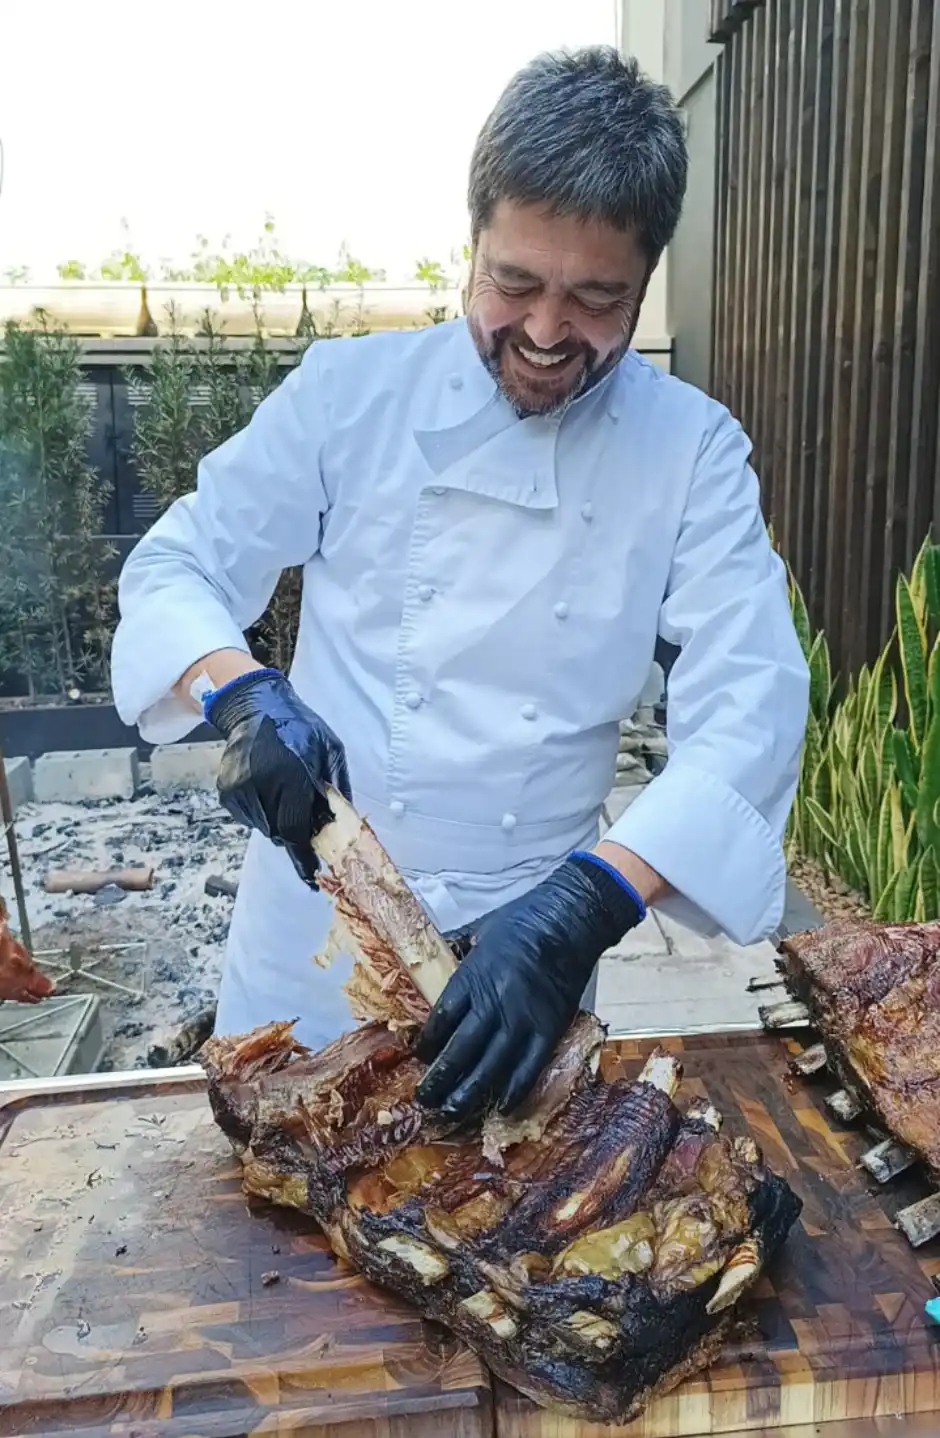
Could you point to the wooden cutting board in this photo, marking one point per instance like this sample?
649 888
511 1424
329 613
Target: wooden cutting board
185 1341
840 1331
133 1302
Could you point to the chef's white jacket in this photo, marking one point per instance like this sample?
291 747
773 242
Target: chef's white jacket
481 600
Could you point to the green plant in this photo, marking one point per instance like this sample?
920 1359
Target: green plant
868 800
56 597
167 443
72 270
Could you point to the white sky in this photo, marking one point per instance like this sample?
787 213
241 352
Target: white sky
347 121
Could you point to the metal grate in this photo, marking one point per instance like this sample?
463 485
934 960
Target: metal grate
58 1036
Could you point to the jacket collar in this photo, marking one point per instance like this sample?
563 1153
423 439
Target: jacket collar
477 443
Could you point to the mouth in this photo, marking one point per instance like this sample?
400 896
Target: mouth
543 364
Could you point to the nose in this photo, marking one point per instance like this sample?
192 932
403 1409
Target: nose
546 323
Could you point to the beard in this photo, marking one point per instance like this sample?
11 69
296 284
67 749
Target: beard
530 392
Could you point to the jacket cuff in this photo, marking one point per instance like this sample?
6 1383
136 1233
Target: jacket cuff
712 846
149 655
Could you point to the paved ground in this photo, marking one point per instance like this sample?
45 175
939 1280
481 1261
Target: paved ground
665 979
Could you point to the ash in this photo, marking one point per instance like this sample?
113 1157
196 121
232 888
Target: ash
177 930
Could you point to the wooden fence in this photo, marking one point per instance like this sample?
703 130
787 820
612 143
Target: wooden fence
826 339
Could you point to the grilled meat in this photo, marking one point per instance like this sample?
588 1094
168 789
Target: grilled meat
590 1246
873 991
584 1265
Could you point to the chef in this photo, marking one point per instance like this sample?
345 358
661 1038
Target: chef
495 517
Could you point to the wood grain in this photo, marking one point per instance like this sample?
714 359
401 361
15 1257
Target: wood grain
132 1298
838 1327
124 1213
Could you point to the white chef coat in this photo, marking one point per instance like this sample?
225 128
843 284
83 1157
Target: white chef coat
481 600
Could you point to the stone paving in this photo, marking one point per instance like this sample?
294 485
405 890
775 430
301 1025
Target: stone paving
666 979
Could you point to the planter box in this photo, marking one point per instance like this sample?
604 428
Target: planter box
78 306
51 728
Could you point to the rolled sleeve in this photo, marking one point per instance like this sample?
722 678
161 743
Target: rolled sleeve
206 570
712 823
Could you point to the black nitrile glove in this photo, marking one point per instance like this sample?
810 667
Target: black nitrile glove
277 761
503 1012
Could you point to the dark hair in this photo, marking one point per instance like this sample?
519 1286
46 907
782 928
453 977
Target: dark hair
584 133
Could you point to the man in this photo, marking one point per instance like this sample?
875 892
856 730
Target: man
496 517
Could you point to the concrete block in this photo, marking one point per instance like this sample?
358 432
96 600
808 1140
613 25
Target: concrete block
185 766
19 782
64 776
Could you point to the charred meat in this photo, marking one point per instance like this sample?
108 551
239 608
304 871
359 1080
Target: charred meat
591 1246
873 992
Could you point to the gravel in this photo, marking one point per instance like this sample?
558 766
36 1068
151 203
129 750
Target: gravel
833 898
173 935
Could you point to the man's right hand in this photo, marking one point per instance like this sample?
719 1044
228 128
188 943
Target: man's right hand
278 759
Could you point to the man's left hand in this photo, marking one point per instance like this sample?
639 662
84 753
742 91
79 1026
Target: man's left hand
504 1011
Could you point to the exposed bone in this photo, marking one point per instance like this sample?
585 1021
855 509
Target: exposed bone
383 919
790 1014
920 1221
745 1148
845 1104
740 1272
599 1332
626 1247
764 981
810 1061
487 1307
662 1071
428 1264
887 1159
707 1114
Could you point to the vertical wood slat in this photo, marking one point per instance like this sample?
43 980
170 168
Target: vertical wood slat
811 516
787 319
843 346
780 22
855 583
827 288
719 269
898 548
806 43
923 504
876 566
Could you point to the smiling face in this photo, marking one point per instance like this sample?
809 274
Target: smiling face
553 303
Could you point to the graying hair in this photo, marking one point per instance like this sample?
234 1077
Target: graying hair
587 134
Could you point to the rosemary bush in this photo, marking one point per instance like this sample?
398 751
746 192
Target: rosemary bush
56 595
196 397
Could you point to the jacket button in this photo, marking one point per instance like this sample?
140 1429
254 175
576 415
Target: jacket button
425 592
438 489
413 699
396 808
528 711
587 512
508 822
455 381
561 610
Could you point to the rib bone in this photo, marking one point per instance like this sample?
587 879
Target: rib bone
740 1272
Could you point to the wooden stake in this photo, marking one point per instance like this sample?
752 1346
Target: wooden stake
89 881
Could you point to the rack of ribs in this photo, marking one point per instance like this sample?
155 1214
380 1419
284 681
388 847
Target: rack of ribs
591 1247
872 992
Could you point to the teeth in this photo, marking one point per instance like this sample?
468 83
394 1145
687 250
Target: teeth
535 357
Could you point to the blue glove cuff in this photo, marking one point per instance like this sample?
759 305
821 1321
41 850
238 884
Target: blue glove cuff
614 874
253 674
